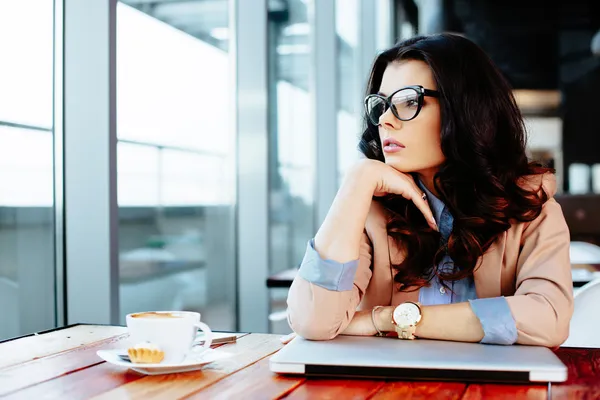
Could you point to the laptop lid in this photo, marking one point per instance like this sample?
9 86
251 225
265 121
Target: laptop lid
380 357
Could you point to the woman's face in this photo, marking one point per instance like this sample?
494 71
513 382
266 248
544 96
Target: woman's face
418 149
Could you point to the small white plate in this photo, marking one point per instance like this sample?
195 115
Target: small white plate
194 361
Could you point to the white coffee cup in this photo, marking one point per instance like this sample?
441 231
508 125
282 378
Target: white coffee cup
172 331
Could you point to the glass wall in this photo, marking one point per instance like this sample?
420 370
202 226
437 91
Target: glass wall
291 139
176 152
27 272
291 146
349 85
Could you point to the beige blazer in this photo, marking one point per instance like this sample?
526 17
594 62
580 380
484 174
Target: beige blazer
528 264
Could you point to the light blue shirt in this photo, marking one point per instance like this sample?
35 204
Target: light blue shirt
494 314
461 291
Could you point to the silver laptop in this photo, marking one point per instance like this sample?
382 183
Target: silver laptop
380 357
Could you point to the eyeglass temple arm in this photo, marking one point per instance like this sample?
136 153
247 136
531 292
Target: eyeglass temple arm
431 93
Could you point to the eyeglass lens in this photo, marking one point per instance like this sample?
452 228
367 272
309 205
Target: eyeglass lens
405 103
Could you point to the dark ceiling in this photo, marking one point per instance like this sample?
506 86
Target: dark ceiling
536 43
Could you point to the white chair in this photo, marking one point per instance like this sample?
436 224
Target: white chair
585 324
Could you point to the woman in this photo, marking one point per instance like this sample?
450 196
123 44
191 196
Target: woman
445 230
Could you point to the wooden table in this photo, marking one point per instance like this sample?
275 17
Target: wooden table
63 364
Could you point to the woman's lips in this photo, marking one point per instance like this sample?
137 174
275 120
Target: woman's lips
391 145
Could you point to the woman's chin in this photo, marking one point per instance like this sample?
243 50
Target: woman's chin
412 168
399 166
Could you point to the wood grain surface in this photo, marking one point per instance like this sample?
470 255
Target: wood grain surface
64 365
35 346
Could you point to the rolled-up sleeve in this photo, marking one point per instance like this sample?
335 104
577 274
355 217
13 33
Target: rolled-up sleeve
325 294
498 324
543 302
327 274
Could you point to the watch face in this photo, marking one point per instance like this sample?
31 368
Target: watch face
406 314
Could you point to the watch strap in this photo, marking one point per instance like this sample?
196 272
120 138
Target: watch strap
406 332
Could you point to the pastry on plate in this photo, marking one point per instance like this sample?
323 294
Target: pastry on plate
145 353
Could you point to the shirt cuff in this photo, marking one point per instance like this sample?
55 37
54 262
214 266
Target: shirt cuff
496 320
327 274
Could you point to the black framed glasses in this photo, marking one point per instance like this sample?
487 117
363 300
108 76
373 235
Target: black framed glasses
405 103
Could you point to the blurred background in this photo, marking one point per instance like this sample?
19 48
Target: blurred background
179 154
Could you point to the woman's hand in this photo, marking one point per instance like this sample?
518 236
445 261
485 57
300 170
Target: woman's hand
388 180
340 236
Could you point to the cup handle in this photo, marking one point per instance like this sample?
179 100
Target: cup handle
208 335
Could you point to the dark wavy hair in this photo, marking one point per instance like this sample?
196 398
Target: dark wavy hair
483 140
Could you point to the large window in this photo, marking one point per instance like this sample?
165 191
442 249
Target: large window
350 83
176 152
291 146
27 273
291 139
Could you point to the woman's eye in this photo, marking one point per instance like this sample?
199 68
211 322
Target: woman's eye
412 103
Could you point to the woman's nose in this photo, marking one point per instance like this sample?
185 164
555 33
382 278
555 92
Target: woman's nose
388 120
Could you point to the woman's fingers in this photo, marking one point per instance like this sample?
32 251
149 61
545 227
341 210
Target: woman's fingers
418 197
420 200
390 180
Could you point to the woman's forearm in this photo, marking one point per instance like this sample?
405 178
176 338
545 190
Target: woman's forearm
456 322
340 234
361 324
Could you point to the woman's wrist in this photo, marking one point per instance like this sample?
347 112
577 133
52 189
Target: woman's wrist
384 319
363 174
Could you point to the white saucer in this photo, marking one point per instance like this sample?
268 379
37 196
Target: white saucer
194 361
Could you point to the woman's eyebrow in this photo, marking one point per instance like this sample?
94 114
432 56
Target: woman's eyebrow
395 90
